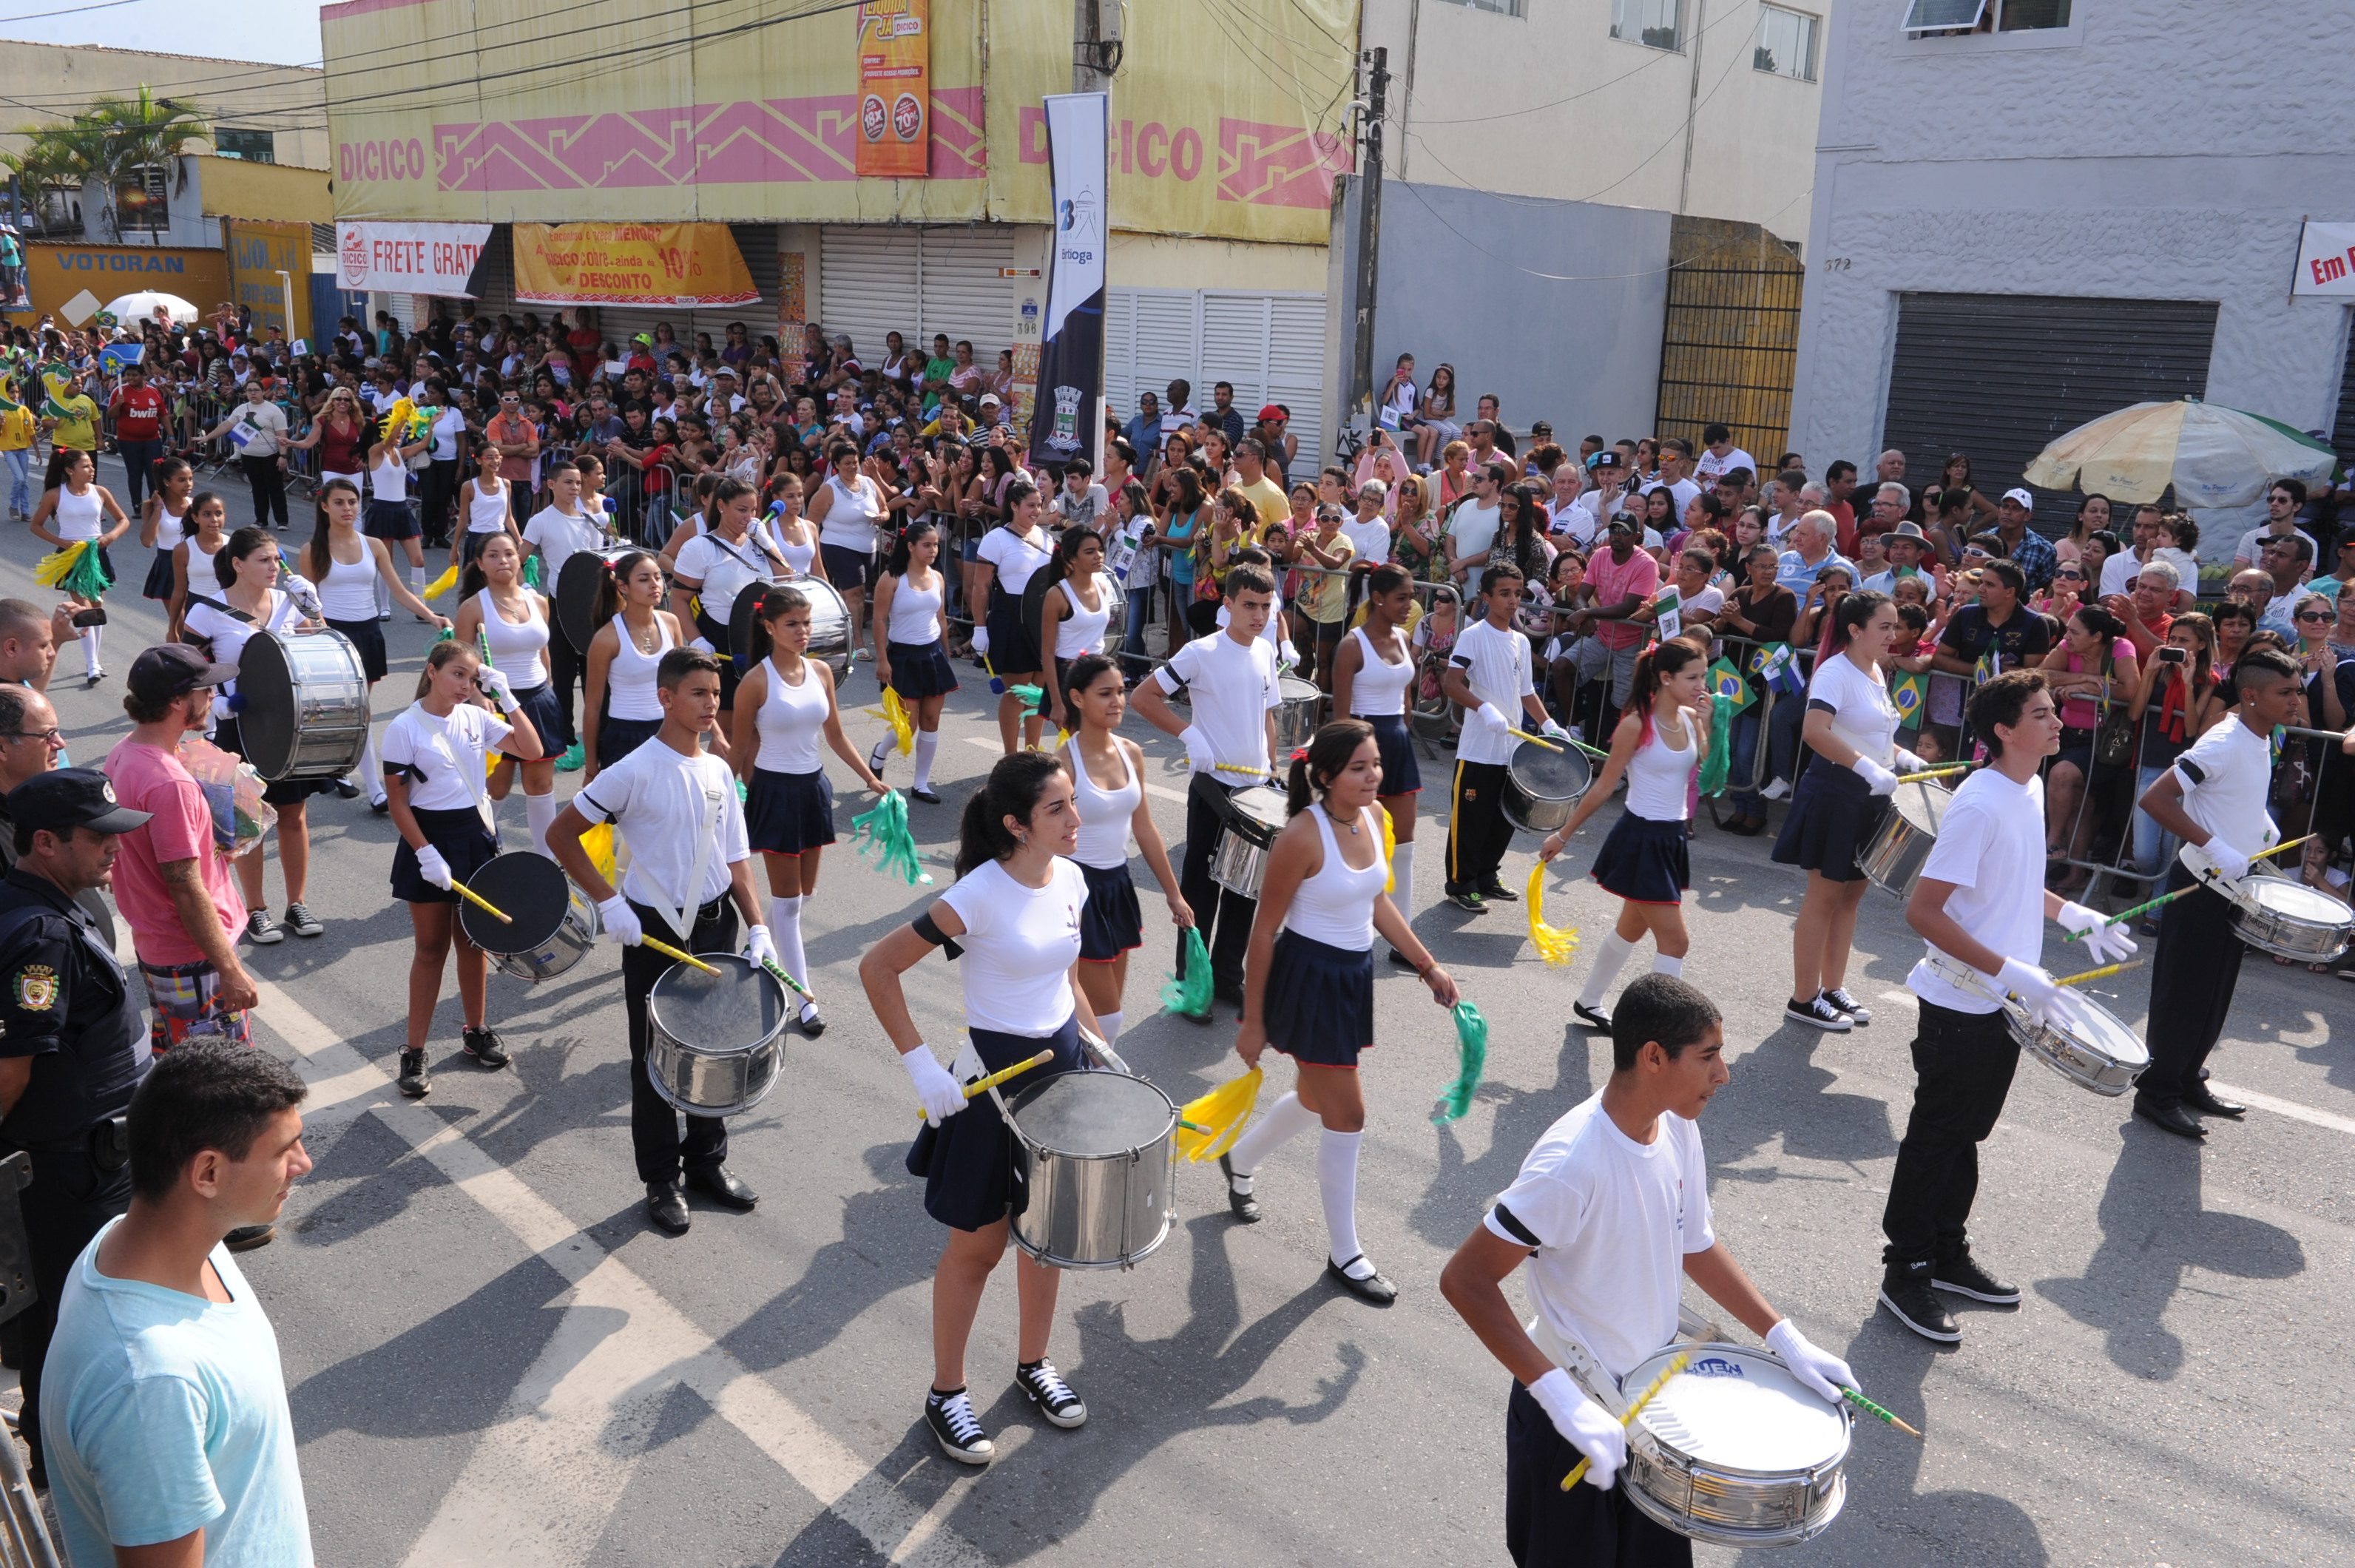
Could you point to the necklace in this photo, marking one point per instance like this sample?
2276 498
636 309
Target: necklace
653 636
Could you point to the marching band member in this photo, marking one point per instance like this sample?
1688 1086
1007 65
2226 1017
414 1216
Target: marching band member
434 754
495 606
1010 554
205 532
1980 902
729 555
389 517
1230 679
347 566
572 521
1112 926
1841 801
2213 798
1077 608
622 707
1372 676
912 645
1489 672
788 704
484 502
1015 917
795 535
1611 1211
1309 983
690 880
1660 742
164 522
84 511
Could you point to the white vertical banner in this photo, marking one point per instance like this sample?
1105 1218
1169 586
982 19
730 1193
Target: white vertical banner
1069 419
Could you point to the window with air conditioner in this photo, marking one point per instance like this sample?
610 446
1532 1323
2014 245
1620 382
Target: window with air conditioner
1657 22
1948 18
1785 44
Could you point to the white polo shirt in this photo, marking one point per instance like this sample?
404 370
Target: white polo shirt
1232 687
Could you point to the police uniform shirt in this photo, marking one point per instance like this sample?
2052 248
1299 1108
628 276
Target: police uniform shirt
67 1004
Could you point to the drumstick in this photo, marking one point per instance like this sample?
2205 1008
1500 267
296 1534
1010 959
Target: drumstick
983 1085
1936 773
667 951
480 903
1865 1406
2103 973
791 984
2124 915
1534 740
1240 768
1579 1472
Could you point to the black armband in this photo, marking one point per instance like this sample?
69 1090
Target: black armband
1818 704
1511 1223
923 925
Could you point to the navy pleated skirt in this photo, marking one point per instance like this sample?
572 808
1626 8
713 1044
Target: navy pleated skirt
1112 921
1402 774
1643 861
538 704
921 669
1319 1005
1012 649
1833 815
967 1162
785 814
159 577
617 738
464 841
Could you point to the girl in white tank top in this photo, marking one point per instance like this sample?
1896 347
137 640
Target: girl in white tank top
513 620
1067 627
620 710
1661 739
163 523
349 568
1372 669
68 516
910 646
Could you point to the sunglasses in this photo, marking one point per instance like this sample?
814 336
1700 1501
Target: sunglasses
1975 553
2314 616
2069 577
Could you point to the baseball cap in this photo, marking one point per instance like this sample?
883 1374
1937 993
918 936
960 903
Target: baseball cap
1609 457
169 669
1620 523
1271 412
2022 497
72 797
989 399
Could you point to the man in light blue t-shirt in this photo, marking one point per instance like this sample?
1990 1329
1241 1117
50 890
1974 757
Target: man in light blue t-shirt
163 1412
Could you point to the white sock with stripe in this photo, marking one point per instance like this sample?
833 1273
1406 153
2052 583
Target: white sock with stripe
1609 959
540 812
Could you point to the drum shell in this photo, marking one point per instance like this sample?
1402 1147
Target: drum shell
1101 1210
1239 861
1893 861
539 956
706 1081
2073 1054
1533 813
2285 934
574 597
303 705
1725 1504
1296 720
829 622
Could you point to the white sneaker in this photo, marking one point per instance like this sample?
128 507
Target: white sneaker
1776 790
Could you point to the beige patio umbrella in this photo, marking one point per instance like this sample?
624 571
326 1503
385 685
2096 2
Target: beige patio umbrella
2212 457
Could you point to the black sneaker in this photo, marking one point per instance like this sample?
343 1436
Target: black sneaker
958 1429
1043 1386
1907 1294
1817 1014
1963 1276
484 1046
414 1081
245 1238
1859 1014
302 922
262 930
1500 892
1469 900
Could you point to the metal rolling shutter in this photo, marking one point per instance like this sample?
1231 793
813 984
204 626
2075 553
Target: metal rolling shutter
869 284
963 290
1272 346
1151 337
1999 375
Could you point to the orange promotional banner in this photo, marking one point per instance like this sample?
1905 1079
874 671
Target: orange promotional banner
684 265
895 88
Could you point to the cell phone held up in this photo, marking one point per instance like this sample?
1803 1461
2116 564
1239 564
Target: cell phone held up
2172 655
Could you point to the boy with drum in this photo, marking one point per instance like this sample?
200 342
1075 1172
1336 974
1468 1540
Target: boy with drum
1611 1212
1489 672
1980 903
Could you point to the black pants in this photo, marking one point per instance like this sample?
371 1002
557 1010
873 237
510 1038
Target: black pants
2192 980
653 1122
71 1198
1225 919
268 482
436 495
139 459
566 669
1477 833
1963 1064
1546 1527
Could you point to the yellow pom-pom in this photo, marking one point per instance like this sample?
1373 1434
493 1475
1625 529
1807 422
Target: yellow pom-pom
1555 944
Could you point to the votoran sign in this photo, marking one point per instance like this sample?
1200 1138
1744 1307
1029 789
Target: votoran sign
56 273
2326 261
435 119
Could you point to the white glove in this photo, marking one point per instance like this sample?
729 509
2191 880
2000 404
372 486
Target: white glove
1823 1373
1197 744
1552 730
2108 942
1584 1424
621 921
433 867
981 639
1494 716
702 646
1907 762
2225 860
494 685
1877 779
938 1091
2030 984
758 949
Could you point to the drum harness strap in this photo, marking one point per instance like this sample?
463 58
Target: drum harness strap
678 919
1579 1363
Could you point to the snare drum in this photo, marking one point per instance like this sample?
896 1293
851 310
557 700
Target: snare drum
1249 821
575 598
829 641
2080 1039
303 705
1735 1450
1096 1151
2290 920
1893 861
554 923
1296 720
715 1043
1543 783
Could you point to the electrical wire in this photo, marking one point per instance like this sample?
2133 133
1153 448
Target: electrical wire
68 11
1656 56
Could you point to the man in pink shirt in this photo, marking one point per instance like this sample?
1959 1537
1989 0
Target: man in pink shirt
171 881
1620 580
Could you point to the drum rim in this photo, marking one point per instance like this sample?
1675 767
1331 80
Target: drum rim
2290 888
468 913
1534 751
1643 1372
1713 1534
1059 1082
784 1017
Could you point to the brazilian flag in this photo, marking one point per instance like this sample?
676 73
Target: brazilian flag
1907 691
1726 681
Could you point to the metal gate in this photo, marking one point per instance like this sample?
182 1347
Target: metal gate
1730 344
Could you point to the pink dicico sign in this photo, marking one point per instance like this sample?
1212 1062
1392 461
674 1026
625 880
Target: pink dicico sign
2326 261
409 258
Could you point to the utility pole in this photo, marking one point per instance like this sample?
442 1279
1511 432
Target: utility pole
1095 44
1369 209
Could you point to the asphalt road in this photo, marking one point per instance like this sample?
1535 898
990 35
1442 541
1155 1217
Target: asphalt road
493 1358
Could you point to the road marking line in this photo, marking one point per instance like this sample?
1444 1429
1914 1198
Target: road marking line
2290 1108
664 1346
1162 791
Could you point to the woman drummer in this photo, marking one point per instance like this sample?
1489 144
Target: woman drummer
163 523
787 708
1658 743
347 566
1851 725
728 557
84 512
1371 673
434 754
911 656
1308 982
206 536
244 597
620 712
1074 614
1011 553
1110 815
1016 909
496 608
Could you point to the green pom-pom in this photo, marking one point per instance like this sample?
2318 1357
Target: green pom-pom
884 831
1472 1059
1190 995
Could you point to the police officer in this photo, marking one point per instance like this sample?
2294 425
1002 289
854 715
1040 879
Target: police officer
73 1042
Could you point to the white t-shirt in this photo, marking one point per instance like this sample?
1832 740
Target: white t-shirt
1496 663
1685 491
1992 847
2225 775
1711 465
1015 557
1019 945
1612 1222
660 799
1862 712
1473 527
723 568
559 537
1231 686
449 751
1369 540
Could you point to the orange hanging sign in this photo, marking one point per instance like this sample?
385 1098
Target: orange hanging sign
895 89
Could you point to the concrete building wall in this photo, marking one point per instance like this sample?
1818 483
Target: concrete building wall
40 83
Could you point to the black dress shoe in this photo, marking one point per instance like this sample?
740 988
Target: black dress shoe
1230 995
2201 1100
1373 1288
1402 961
925 795
346 790
667 1206
1593 1018
2170 1118
723 1187
1244 1206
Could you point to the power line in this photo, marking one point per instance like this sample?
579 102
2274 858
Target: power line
1656 56
68 11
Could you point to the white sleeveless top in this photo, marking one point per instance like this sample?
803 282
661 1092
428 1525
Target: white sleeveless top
1336 906
488 513
389 479
630 678
349 593
1658 776
1081 630
797 556
77 517
1105 814
792 722
851 517
170 527
916 612
516 650
1380 689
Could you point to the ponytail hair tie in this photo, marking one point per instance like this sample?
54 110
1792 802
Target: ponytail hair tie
1300 753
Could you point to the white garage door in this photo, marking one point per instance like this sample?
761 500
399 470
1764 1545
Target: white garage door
879 278
1270 345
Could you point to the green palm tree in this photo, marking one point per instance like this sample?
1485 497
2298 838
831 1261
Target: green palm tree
54 162
136 134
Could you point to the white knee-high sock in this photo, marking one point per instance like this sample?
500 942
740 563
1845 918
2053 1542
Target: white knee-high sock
89 648
1285 1119
1609 959
1336 1178
539 811
1403 878
1664 965
785 931
1109 1024
927 743
416 582
371 771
